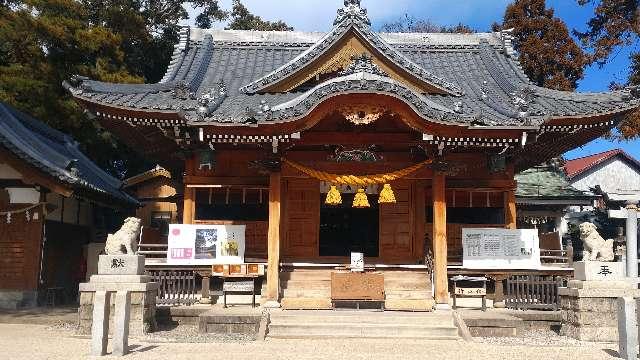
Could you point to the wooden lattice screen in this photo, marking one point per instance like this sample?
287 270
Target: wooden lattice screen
533 292
176 287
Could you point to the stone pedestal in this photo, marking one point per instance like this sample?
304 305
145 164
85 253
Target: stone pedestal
589 306
120 273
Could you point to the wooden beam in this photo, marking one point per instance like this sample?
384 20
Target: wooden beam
188 205
510 209
225 180
273 238
440 239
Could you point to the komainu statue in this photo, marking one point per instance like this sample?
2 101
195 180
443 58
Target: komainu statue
125 240
595 247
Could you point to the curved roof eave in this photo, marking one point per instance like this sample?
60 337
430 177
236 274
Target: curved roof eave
363 83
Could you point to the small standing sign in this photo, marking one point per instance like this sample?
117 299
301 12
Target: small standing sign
357 261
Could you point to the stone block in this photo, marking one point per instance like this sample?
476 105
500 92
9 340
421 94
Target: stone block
121 278
590 333
627 328
599 270
480 331
121 265
100 323
121 331
603 284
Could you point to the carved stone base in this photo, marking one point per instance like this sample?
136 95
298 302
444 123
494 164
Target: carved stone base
589 308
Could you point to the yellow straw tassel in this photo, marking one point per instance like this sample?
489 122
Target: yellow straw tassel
386 195
333 196
360 200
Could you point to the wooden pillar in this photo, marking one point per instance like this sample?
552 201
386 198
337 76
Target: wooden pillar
188 212
273 239
440 239
510 209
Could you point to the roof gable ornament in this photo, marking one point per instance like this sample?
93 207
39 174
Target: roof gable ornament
352 11
362 63
211 100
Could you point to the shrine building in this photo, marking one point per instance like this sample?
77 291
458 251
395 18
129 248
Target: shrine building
350 140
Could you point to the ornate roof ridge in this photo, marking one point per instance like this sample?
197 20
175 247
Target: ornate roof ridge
351 17
178 54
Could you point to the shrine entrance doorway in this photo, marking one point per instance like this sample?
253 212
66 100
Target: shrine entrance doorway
345 229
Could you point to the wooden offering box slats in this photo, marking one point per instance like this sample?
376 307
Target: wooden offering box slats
357 286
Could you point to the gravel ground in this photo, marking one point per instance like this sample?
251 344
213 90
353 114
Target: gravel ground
190 334
540 337
25 341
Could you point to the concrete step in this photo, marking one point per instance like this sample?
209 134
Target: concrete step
408 294
332 317
361 324
350 330
306 275
306 284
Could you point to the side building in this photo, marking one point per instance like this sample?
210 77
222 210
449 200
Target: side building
53 202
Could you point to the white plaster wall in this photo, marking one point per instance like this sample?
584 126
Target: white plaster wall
23 195
7 172
617 178
70 210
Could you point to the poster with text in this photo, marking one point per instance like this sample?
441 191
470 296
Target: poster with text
500 249
205 244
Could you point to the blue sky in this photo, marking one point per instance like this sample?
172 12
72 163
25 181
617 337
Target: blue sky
318 15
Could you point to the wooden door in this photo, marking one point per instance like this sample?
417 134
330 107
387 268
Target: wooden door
397 225
302 218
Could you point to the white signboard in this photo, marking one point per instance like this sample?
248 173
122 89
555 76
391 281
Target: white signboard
500 248
205 244
357 261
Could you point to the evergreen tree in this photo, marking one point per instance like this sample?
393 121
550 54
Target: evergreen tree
242 19
615 24
44 42
549 56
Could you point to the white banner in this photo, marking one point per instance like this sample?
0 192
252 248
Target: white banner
205 244
500 249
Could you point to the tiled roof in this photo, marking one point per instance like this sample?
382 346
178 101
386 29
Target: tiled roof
577 166
57 155
216 77
546 183
149 174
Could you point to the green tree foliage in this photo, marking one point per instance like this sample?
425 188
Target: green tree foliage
242 19
409 23
615 24
44 42
549 55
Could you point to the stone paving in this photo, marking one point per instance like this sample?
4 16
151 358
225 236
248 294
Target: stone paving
27 341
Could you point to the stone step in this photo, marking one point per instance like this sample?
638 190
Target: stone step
351 330
408 294
362 317
309 293
306 275
305 284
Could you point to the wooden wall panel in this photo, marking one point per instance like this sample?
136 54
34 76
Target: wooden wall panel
397 225
302 218
20 245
